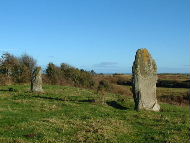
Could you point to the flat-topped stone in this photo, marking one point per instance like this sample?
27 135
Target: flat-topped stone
144 78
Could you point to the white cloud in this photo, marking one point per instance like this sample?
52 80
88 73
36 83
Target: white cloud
106 65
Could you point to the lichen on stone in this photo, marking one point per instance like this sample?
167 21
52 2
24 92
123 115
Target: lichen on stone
144 81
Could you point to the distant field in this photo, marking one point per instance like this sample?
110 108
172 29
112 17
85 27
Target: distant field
178 77
172 88
69 114
127 77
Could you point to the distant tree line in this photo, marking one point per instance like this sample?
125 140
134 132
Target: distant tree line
16 69
70 75
19 70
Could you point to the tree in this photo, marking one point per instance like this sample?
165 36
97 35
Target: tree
27 65
53 73
9 66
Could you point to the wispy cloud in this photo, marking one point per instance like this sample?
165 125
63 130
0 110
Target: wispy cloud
186 65
105 65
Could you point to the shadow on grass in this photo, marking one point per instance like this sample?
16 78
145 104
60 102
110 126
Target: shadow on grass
89 100
62 99
4 90
113 104
9 90
116 105
51 98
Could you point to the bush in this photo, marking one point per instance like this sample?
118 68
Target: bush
78 77
124 82
53 73
27 65
16 69
70 75
103 86
19 70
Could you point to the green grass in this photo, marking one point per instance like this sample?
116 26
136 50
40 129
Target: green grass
68 114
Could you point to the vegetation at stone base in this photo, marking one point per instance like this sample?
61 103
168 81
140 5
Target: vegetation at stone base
69 114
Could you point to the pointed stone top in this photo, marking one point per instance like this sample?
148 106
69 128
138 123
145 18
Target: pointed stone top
144 64
37 70
144 54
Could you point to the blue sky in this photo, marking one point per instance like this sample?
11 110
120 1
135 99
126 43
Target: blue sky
102 35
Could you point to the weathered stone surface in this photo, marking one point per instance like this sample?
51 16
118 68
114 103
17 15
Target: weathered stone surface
144 80
36 83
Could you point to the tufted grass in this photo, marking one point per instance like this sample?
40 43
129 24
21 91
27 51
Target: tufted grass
69 114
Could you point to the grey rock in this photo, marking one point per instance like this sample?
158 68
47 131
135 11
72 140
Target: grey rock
144 78
36 82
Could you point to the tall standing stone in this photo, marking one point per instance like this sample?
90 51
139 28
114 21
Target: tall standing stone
36 83
144 80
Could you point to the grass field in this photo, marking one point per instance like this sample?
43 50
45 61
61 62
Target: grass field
69 114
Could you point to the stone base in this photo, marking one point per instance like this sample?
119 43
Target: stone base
155 107
37 90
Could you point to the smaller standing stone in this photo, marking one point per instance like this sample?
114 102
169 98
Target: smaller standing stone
36 82
144 81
